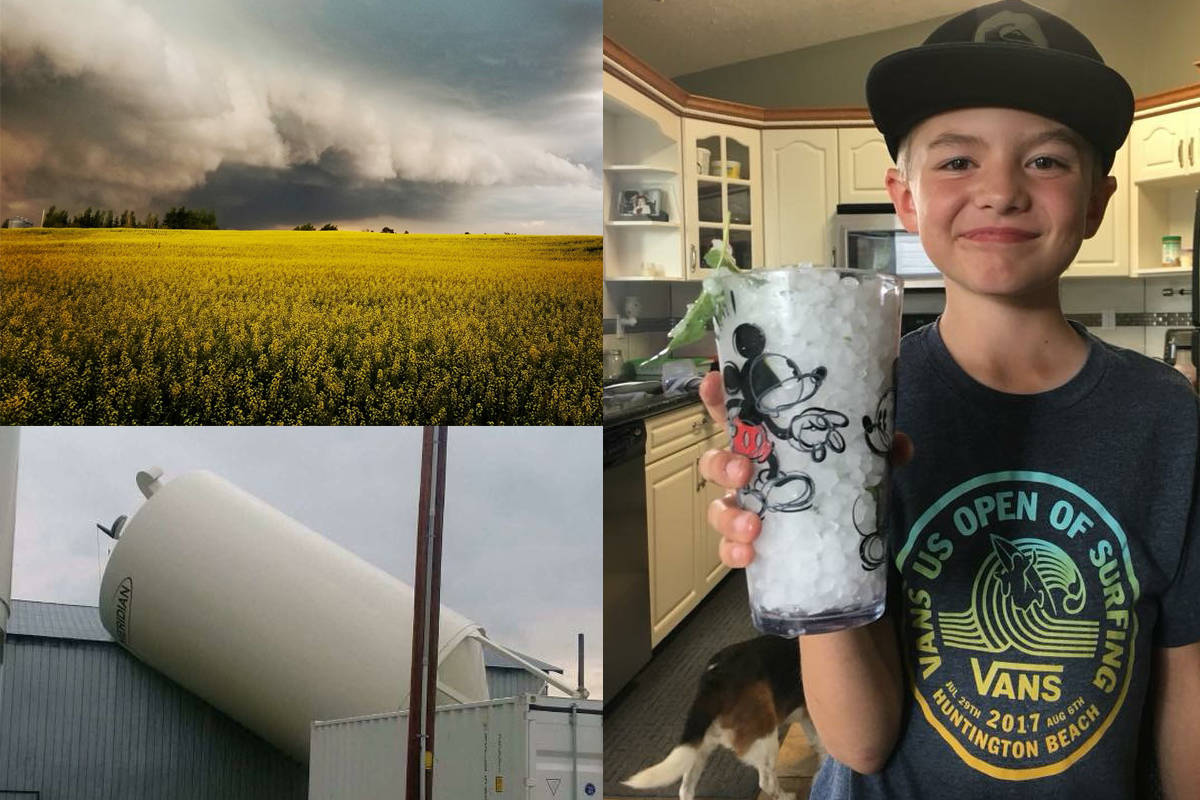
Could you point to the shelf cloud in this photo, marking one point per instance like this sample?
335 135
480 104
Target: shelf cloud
109 103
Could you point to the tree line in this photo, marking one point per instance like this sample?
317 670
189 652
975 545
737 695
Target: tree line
181 217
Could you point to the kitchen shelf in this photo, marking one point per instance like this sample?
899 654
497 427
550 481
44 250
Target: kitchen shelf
633 223
659 278
1159 271
641 168
718 179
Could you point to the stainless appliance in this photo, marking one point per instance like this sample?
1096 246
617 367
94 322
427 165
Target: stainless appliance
1185 342
626 557
870 236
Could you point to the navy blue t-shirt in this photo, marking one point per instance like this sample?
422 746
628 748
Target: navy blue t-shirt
1045 545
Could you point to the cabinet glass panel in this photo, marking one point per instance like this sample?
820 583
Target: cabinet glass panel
740 240
708 153
739 204
709 201
739 152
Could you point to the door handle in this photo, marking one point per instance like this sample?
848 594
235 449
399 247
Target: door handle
692 260
701 482
1191 152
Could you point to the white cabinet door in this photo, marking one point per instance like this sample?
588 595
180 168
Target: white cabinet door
800 194
732 183
709 569
1107 253
1191 148
863 162
671 534
1158 146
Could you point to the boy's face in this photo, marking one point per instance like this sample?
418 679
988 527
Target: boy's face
1002 198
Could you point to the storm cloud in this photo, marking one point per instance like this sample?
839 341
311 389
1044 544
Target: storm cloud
360 110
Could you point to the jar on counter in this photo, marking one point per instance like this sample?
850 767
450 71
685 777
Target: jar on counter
1171 246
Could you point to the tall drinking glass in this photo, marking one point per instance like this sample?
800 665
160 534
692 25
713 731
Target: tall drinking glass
808 361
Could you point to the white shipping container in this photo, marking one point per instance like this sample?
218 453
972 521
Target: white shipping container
530 747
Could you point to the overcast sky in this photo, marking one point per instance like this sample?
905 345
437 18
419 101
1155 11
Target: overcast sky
433 115
522 528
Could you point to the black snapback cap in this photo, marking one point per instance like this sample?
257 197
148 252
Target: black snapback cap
1009 54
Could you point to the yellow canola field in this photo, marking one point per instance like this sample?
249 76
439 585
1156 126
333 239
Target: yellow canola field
314 328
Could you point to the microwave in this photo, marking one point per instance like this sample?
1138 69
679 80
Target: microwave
870 236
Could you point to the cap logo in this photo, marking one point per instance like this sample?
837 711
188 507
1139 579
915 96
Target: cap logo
1009 26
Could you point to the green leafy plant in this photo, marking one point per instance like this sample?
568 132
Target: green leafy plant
695 321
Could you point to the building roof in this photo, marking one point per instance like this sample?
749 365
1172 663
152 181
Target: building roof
82 623
496 659
57 621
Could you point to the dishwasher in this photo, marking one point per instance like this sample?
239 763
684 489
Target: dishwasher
626 556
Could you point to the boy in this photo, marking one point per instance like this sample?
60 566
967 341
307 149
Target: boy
1046 525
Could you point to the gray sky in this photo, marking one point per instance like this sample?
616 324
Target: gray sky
522 529
433 115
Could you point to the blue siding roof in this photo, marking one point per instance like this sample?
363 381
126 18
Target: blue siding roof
84 720
494 658
57 621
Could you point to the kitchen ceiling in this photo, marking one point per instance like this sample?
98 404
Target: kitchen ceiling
678 37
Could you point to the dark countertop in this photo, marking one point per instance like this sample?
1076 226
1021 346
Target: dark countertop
648 406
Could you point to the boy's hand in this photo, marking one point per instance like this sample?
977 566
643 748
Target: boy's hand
740 528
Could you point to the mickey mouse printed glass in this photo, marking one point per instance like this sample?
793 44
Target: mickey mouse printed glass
808 361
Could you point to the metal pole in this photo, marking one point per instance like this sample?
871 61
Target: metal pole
579 673
415 763
574 751
435 599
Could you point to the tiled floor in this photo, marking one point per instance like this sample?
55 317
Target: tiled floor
797 765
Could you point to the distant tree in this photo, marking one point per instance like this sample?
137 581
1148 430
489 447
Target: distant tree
329 226
406 231
56 218
190 218
108 219
152 220
133 219
308 226
387 230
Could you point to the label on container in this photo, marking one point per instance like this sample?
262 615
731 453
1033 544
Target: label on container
124 609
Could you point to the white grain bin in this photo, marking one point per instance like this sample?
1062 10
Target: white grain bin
266 620
9 440
529 747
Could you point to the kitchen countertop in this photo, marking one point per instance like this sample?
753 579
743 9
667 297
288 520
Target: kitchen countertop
647 405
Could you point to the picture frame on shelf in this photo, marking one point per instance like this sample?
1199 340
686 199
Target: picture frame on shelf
641 205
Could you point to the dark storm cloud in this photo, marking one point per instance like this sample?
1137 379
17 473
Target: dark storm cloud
111 103
261 197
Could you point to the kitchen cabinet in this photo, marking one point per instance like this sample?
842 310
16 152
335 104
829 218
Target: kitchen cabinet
1107 252
797 165
1166 145
800 194
684 565
709 569
1165 175
722 174
642 151
863 162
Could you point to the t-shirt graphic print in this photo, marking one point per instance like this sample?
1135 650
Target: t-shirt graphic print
1019 598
